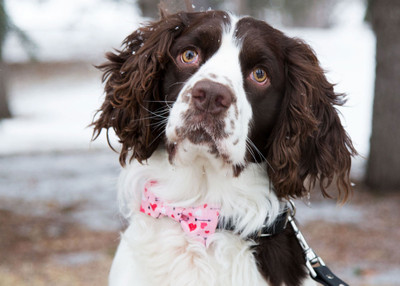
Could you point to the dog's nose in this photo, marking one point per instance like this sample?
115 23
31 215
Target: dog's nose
211 97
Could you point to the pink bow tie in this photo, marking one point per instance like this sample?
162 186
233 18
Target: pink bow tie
199 222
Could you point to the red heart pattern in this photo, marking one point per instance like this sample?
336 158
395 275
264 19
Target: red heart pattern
192 226
153 206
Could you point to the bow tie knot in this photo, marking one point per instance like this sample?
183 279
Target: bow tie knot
199 222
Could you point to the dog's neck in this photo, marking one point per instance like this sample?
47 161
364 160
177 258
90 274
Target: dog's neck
246 200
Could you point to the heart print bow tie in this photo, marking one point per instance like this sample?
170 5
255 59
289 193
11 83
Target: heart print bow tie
199 222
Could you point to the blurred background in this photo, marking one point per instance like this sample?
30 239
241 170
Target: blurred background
59 222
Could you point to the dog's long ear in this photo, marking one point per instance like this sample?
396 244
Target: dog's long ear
132 86
309 142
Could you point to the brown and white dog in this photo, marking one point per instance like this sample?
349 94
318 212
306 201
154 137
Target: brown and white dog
211 109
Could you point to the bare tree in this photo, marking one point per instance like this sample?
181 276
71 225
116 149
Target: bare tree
383 170
4 109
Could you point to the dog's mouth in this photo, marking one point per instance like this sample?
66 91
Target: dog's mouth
199 143
201 138
200 134
197 135
201 128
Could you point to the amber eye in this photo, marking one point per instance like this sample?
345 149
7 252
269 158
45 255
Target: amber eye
189 56
259 75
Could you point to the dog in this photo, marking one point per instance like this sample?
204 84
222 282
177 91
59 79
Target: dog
221 120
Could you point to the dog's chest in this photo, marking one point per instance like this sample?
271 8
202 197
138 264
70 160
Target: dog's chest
165 255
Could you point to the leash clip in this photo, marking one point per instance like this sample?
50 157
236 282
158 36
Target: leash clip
312 259
315 265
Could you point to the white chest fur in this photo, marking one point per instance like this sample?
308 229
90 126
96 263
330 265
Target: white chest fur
158 252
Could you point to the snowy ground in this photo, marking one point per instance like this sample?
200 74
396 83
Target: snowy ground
82 181
47 163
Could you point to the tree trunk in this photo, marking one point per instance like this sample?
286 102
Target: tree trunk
241 7
149 8
383 170
4 110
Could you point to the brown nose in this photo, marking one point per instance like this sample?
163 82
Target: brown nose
211 97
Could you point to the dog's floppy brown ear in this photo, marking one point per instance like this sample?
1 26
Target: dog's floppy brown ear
310 141
132 86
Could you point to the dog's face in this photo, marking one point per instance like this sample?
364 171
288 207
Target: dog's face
233 91
220 83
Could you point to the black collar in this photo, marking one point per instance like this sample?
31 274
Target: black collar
277 227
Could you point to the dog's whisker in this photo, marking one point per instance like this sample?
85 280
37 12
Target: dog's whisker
161 111
159 124
168 101
252 146
150 117
159 114
159 101
155 139
176 83
248 148
255 148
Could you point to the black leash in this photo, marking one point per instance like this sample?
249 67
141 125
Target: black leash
315 265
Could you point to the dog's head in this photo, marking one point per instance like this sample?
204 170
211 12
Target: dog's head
233 91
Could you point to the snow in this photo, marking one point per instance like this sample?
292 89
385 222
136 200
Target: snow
84 182
329 212
77 258
64 30
50 115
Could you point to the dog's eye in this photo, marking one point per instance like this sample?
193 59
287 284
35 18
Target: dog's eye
189 56
259 76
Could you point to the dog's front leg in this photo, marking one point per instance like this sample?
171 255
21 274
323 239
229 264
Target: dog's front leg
125 269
